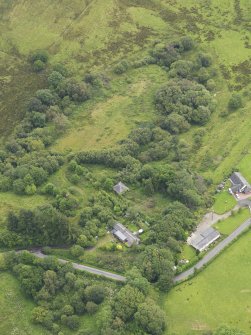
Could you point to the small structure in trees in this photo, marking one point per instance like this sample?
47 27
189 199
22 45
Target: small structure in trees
239 184
120 188
201 240
125 235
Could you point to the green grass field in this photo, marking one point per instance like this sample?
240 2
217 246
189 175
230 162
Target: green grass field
15 309
220 294
227 226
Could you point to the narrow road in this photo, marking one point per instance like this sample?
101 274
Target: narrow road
181 277
214 252
86 268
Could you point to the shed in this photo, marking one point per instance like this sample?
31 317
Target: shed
120 188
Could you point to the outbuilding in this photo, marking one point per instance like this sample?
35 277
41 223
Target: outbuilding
120 188
125 235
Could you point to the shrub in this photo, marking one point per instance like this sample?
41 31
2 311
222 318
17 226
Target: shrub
235 102
38 66
91 307
77 251
41 55
121 67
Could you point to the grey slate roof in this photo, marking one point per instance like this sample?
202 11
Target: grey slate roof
238 182
205 238
120 188
125 235
122 237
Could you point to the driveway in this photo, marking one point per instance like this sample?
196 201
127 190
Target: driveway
214 252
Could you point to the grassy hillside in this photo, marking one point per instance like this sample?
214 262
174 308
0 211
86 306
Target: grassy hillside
94 36
69 31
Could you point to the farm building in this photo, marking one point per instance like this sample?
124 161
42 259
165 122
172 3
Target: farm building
239 184
201 240
125 235
120 188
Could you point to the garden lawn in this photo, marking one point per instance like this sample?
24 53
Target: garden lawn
227 226
188 253
224 202
220 294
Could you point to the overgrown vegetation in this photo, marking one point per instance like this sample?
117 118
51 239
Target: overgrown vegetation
132 99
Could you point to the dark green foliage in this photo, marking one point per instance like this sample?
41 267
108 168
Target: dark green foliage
41 55
57 289
71 321
204 60
91 307
135 279
38 66
46 97
36 105
181 68
37 120
95 294
126 302
151 318
43 226
166 56
55 78
77 92
155 263
174 123
235 102
186 98
187 43
121 67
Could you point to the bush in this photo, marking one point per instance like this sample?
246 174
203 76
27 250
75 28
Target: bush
204 60
38 66
91 307
77 251
95 294
187 43
121 67
235 102
41 55
55 79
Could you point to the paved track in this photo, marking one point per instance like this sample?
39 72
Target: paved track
86 268
182 276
